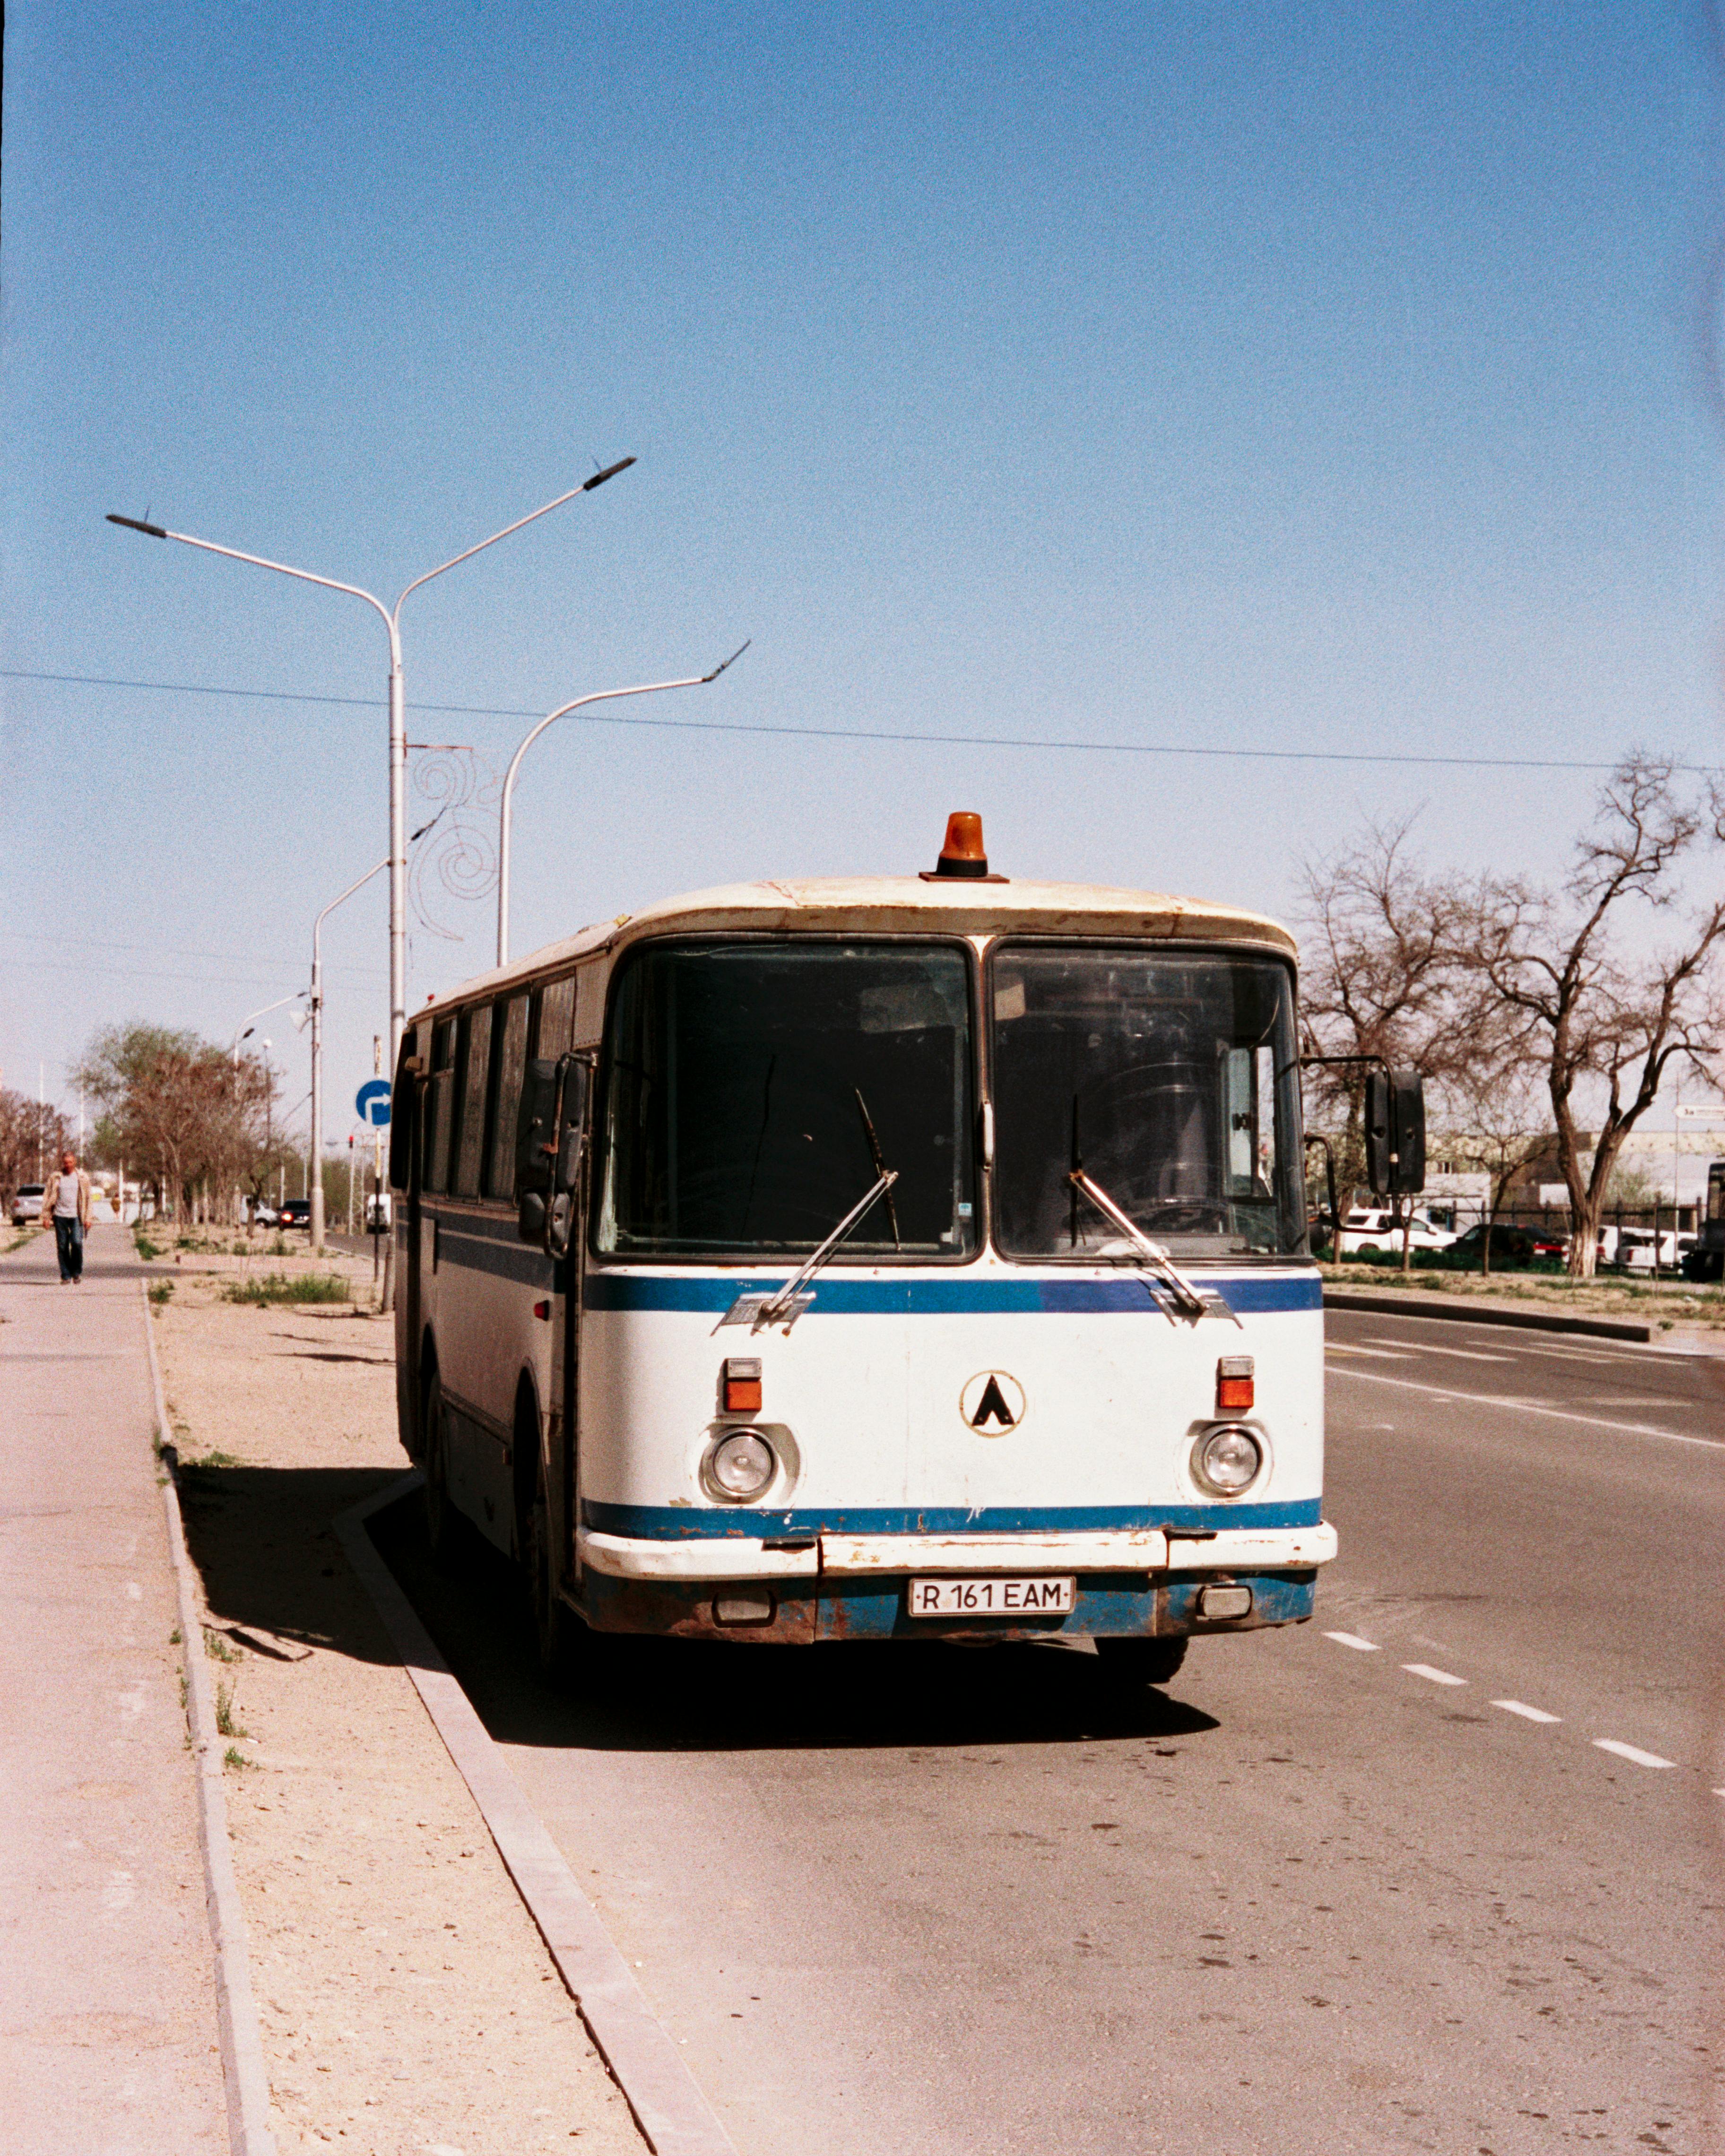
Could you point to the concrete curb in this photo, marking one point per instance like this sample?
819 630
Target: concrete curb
245 2076
674 2116
1388 1302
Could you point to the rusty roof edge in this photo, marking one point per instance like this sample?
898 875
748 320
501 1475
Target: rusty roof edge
884 904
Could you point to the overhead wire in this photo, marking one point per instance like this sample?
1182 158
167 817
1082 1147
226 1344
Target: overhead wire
880 734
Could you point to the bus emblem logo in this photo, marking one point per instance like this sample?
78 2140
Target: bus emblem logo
992 1403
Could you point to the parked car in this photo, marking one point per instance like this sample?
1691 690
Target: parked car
264 1214
296 1212
377 1211
1637 1250
26 1204
1368 1228
1510 1245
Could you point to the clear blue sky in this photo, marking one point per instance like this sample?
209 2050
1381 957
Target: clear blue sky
1247 375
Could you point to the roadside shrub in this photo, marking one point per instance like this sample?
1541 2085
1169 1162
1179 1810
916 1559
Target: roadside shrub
161 1291
288 1287
146 1248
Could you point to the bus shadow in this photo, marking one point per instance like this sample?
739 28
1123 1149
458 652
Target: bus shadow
677 1696
264 1542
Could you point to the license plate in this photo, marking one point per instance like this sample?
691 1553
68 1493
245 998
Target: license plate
994 1597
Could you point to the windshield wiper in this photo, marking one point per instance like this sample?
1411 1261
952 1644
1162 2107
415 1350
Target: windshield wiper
784 1306
879 1165
1189 1301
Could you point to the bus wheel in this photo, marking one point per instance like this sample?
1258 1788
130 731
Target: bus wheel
1139 1661
442 1523
551 1623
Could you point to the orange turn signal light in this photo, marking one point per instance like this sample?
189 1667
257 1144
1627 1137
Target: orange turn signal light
740 1385
1235 1384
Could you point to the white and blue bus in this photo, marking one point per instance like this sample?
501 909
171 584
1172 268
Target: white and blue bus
874 1259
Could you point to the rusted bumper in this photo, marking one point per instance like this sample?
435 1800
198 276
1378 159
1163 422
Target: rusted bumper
801 1610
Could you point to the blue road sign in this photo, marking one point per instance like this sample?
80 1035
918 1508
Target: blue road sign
370 1103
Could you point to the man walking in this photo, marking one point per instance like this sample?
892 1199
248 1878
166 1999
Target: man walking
66 1201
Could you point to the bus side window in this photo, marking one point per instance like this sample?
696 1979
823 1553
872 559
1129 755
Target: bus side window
439 1107
557 1019
470 1151
509 1060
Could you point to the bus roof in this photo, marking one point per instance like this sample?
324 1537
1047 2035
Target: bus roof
860 906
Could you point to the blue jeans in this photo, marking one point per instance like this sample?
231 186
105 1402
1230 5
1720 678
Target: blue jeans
69 1246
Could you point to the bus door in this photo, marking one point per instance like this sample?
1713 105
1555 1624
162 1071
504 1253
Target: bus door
406 1155
408 1244
566 1239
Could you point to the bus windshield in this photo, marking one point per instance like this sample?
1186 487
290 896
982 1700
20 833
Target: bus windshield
755 1091
1169 1078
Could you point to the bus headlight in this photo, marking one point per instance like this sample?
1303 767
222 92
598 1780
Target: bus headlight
1227 1460
741 1466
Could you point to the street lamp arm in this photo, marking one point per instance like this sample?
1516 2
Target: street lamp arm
251 1017
563 711
377 869
259 562
586 486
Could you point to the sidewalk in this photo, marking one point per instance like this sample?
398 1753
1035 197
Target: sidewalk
108 2036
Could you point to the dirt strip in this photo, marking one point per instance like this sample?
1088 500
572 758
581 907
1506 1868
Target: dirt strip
408 2005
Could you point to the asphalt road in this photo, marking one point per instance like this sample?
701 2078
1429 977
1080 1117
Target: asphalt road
1373 1883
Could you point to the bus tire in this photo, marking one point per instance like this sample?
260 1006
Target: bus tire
552 1623
442 1523
1141 1662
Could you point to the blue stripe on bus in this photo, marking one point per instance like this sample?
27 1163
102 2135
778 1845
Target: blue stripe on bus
680 1523
941 1298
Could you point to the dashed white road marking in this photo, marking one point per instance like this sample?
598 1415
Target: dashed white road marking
1383 1354
1633 1753
1465 1354
1353 1639
1431 1676
1619 1361
1532 1407
1527 1713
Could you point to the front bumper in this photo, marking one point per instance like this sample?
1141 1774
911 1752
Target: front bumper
844 1557
1136 1583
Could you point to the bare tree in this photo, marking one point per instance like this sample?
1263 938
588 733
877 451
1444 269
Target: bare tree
1604 1020
1377 979
189 1115
32 1135
1499 1121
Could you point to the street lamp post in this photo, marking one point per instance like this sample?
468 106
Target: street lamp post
243 1031
505 813
314 1192
398 706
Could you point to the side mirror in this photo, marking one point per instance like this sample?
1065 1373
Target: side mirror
1395 1133
571 1139
551 1131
